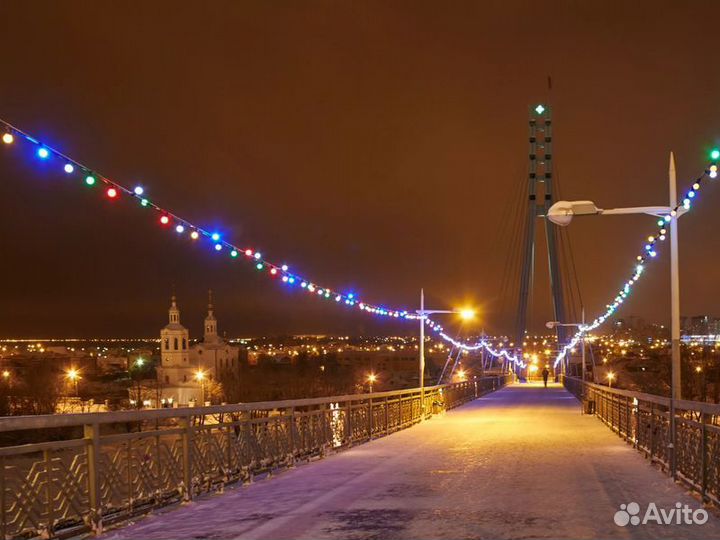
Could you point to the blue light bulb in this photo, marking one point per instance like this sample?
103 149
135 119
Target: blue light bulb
43 153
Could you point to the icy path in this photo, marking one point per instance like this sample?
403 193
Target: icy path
519 463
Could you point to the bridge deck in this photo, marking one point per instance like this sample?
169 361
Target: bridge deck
519 463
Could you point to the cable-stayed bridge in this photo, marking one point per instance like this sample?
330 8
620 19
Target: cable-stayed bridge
424 472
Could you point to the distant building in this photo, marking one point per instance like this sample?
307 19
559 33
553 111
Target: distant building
186 372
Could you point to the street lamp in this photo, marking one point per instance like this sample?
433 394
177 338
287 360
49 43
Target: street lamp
465 314
562 212
371 378
610 377
580 325
462 375
200 378
73 375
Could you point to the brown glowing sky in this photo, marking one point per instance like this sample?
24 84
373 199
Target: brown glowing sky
374 146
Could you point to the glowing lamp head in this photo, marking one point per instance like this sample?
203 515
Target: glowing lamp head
73 374
372 378
199 375
164 220
68 168
43 153
139 190
467 314
8 138
112 193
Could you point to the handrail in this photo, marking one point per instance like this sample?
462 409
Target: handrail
705 408
44 421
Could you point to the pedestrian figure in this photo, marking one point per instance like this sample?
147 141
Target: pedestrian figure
545 374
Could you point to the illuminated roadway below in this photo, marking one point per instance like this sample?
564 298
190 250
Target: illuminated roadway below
521 462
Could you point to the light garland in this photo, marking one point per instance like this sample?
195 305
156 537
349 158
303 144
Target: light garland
181 226
649 252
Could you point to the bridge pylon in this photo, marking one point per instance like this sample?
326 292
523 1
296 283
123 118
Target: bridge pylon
540 171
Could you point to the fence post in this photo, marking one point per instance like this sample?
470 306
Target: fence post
91 433
291 436
370 419
187 443
703 457
387 416
652 430
348 423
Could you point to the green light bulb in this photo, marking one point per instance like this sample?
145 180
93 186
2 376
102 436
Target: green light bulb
714 154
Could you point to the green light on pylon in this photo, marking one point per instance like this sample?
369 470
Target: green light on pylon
540 109
714 154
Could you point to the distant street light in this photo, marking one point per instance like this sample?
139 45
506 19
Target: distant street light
6 375
610 378
553 324
464 313
462 375
200 378
371 378
73 375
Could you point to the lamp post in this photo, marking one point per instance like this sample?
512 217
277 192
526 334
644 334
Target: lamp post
371 378
73 375
423 313
553 324
562 212
200 378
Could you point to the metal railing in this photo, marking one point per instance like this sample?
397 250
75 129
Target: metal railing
106 467
691 454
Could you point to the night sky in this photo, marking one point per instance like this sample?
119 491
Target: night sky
373 146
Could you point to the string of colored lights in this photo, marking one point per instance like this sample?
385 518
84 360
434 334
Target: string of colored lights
168 219
649 252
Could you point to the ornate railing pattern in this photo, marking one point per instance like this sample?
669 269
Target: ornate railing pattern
109 466
691 454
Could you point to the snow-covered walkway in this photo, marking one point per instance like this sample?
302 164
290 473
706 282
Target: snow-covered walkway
519 463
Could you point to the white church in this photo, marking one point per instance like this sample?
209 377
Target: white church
185 373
